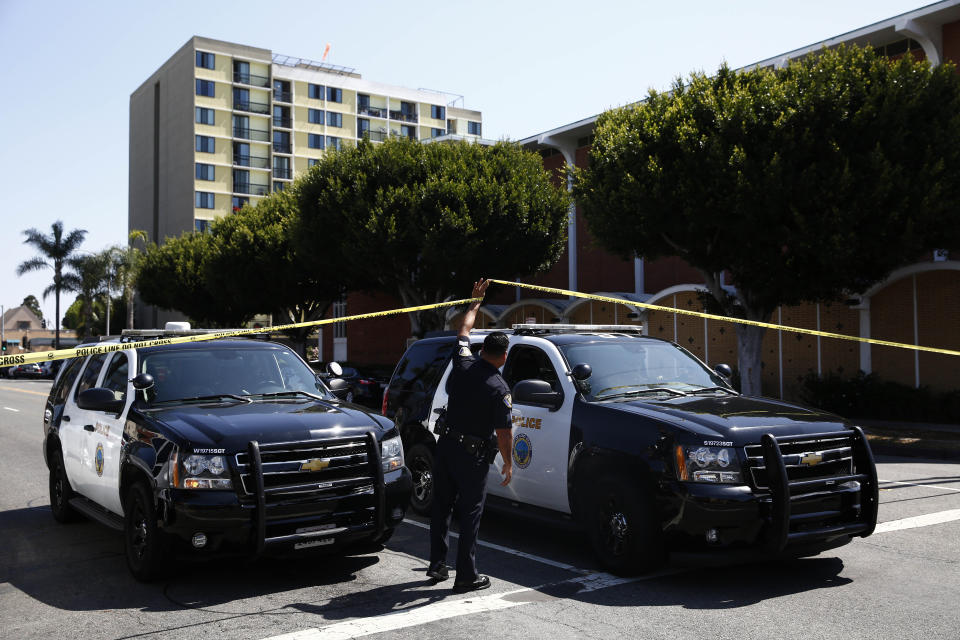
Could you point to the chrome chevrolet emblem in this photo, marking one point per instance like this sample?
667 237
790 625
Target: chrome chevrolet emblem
317 464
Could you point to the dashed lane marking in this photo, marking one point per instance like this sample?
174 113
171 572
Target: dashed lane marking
927 520
520 554
916 484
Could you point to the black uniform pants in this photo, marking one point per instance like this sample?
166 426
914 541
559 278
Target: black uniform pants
459 486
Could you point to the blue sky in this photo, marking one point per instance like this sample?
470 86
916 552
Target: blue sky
70 67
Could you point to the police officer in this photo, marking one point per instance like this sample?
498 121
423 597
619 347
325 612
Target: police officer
479 406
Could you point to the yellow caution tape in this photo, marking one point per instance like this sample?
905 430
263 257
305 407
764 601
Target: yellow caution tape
110 347
711 316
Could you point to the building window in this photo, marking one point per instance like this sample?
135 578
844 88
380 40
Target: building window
316 91
333 142
205 88
438 112
315 141
204 200
205 171
340 311
315 116
204 116
205 60
436 133
451 126
312 161
408 132
281 142
277 186
334 119
281 167
239 203
473 128
205 144
363 101
281 90
201 226
334 94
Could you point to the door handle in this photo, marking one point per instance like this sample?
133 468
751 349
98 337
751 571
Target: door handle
65 418
88 427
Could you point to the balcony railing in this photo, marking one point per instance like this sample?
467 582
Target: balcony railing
280 172
282 96
251 79
403 117
284 123
258 162
367 110
281 147
373 136
246 133
252 107
251 189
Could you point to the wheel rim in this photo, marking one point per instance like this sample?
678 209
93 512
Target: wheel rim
138 532
615 528
422 480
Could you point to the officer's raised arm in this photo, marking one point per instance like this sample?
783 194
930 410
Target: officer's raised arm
470 317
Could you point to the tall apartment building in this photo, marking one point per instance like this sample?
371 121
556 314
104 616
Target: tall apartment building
219 125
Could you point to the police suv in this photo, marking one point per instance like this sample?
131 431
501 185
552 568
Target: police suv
649 450
229 445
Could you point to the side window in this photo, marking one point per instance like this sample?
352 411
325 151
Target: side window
422 366
116 377
89 376
529 363
66 379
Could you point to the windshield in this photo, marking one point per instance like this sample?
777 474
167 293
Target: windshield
200 373
634 367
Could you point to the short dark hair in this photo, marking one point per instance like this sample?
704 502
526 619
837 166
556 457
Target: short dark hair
496 344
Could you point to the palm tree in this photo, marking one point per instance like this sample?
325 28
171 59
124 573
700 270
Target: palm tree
127 267
54 250
89 280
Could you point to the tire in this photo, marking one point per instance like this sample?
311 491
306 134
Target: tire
145 546
621 521
420 463
60 491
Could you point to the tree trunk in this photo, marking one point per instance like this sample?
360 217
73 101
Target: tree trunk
128 296
749 358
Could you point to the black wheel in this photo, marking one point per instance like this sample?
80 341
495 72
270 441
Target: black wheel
420 462
60 491
146 549
622 524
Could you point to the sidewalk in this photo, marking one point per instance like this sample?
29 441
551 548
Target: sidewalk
923 440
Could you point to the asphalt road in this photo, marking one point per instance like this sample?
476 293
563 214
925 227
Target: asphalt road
72 582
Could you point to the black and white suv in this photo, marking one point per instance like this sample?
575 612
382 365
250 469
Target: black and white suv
218 446
650 450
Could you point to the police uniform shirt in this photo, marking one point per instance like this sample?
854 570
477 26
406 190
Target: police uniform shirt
479 396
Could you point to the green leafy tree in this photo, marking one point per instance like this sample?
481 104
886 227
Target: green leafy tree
125 267
805 183
31 302
424 221
88 278
173 276
55 250
252 262
73 317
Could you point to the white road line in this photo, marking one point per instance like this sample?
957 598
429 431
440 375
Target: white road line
520 554
12 409
918 521
452 608
914 484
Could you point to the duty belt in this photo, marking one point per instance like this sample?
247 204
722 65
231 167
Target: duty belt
484 449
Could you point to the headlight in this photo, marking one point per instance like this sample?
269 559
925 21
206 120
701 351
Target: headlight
200 472
391 454
718 465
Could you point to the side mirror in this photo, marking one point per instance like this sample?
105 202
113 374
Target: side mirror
538 392
339 387
334 369
581 372
142 382
724 370
99 399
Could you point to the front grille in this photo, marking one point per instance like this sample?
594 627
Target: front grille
804 460
340 467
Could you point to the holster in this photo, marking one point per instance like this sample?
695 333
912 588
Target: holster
483 449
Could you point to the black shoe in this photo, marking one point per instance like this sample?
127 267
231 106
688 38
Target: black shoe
480 583
439 573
